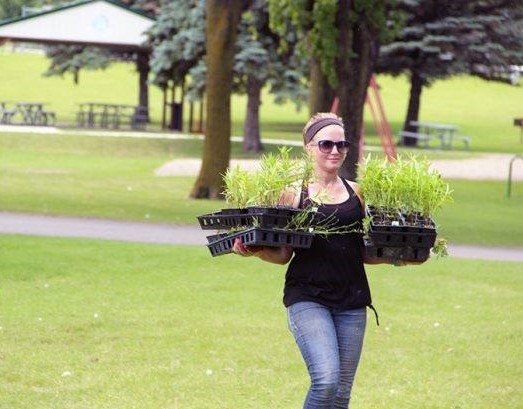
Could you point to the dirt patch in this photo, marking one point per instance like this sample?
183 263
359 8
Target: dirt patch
484 167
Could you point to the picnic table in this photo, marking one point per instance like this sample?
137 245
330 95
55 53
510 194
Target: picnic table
32 113
445 134
6 113
109 115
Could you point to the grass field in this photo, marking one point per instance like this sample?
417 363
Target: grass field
94 324
483 110
114 178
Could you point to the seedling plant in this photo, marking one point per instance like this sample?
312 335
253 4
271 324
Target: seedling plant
405 192
278 173
406 188
264 187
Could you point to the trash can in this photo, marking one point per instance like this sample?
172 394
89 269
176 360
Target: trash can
176 116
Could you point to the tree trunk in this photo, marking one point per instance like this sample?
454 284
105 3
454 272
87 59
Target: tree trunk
321 94
251 129
416 87
223 17
357 55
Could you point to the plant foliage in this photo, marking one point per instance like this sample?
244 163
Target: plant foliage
264 187
405 185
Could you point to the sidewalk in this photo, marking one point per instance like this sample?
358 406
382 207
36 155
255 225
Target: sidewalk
54 226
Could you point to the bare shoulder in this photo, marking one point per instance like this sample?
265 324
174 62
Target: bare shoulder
356 187
291 195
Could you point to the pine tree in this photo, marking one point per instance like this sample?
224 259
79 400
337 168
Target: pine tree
448 37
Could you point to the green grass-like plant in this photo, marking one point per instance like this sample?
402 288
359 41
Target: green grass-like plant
404 191
407 186
264 187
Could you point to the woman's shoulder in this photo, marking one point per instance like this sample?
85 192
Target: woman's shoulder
356 188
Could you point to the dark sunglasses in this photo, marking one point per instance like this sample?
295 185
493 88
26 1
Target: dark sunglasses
326 146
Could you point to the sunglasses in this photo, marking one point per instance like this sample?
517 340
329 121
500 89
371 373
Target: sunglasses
326 146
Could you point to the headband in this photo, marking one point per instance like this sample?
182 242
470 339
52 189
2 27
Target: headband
320 124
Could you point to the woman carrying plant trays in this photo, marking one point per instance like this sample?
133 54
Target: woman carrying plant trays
326 290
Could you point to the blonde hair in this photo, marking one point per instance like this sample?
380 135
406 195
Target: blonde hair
319 121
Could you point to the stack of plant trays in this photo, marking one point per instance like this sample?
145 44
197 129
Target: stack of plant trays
399 237
255 226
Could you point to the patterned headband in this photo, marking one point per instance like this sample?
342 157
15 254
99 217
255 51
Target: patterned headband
320 124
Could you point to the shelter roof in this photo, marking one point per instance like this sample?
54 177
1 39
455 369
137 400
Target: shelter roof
102 23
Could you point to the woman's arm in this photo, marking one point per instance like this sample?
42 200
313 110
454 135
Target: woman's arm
276 255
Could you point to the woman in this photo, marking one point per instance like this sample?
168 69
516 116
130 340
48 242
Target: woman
326 290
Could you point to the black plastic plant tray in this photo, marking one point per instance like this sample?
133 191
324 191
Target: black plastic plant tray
400 222
234 210
403 237
219 220
265 217
407 228
257 236
417 254
284 211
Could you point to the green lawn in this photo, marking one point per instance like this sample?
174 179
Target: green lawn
483 110
114 178
96 324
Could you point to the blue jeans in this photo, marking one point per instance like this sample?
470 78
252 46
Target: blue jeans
330 342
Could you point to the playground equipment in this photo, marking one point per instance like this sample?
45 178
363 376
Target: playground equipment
381 124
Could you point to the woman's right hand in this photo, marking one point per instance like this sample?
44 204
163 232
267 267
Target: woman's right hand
245 250
277 255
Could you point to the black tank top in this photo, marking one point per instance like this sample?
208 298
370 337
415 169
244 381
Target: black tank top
331 272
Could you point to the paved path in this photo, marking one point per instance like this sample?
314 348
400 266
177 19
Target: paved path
477 166
39 225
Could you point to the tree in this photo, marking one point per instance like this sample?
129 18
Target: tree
178 41
72 58
222 20
179 50
259 61
343 37
451 37
15 8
